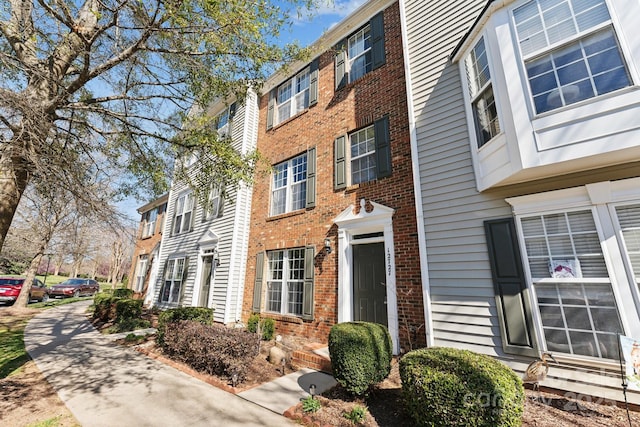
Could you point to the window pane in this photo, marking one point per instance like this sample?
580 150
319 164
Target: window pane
274 296
295 298
583 343
486 116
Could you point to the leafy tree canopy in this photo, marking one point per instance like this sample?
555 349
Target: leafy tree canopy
100 90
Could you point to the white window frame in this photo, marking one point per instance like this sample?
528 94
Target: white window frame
298 99
286 178
353 142
173 280
601 198
213 203
568 93
184 210
283 284
149 227
357 50
141 272
223 121
482 96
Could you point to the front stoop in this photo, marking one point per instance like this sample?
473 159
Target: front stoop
314 356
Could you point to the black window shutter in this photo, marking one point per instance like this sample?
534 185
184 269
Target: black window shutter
232 111
271 108
185 271
311 177
339 164
383 147
514 308
313 83
164 280
307 292
257 284
341 70
377 41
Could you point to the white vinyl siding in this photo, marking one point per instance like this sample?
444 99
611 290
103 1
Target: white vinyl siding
570 51
231 230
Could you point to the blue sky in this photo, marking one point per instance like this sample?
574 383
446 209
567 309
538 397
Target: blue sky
307 27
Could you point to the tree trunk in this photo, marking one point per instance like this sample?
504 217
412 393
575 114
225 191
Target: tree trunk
14 178
23 298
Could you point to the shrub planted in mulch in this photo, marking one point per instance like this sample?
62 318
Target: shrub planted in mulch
452 387
197 314
211 349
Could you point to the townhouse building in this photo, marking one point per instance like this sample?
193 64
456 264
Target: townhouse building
525 132
203 255
144 265
333 232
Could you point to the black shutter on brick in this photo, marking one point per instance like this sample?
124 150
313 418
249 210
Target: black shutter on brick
383 147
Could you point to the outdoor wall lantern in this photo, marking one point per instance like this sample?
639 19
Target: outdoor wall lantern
327 245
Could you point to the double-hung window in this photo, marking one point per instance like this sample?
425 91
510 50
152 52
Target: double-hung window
149 226
285 283
141 272
174 273
570 50
485 113
361 52
293 96
289 186
183 213
363 155
215 201
569 274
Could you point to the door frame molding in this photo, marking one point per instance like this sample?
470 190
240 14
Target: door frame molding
351 223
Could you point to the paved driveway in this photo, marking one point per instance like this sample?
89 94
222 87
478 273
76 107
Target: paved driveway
104 384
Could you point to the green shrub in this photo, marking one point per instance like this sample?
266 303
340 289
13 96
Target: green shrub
445 386
197 314
128 325
309 404
123 293
267 326
361 354
127 309
357 414
213 349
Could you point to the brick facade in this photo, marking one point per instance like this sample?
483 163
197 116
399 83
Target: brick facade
338 112
147 244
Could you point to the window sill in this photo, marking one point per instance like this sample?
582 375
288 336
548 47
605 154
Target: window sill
286 318
295 116
286 215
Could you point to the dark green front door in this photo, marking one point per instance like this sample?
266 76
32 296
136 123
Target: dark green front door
369 283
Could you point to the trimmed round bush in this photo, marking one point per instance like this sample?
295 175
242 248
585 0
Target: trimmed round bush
197 314
361 354
446 386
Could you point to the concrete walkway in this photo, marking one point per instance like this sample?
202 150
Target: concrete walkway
109 385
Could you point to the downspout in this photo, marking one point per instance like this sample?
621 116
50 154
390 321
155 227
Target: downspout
422 244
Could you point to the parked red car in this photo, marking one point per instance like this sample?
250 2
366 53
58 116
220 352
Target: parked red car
10 288
74 288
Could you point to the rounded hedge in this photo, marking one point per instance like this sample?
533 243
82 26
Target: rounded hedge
361 354
446 386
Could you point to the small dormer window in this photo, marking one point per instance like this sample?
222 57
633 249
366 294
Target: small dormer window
570 50
485 113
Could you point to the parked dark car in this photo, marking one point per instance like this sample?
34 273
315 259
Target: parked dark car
74 288
10 288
